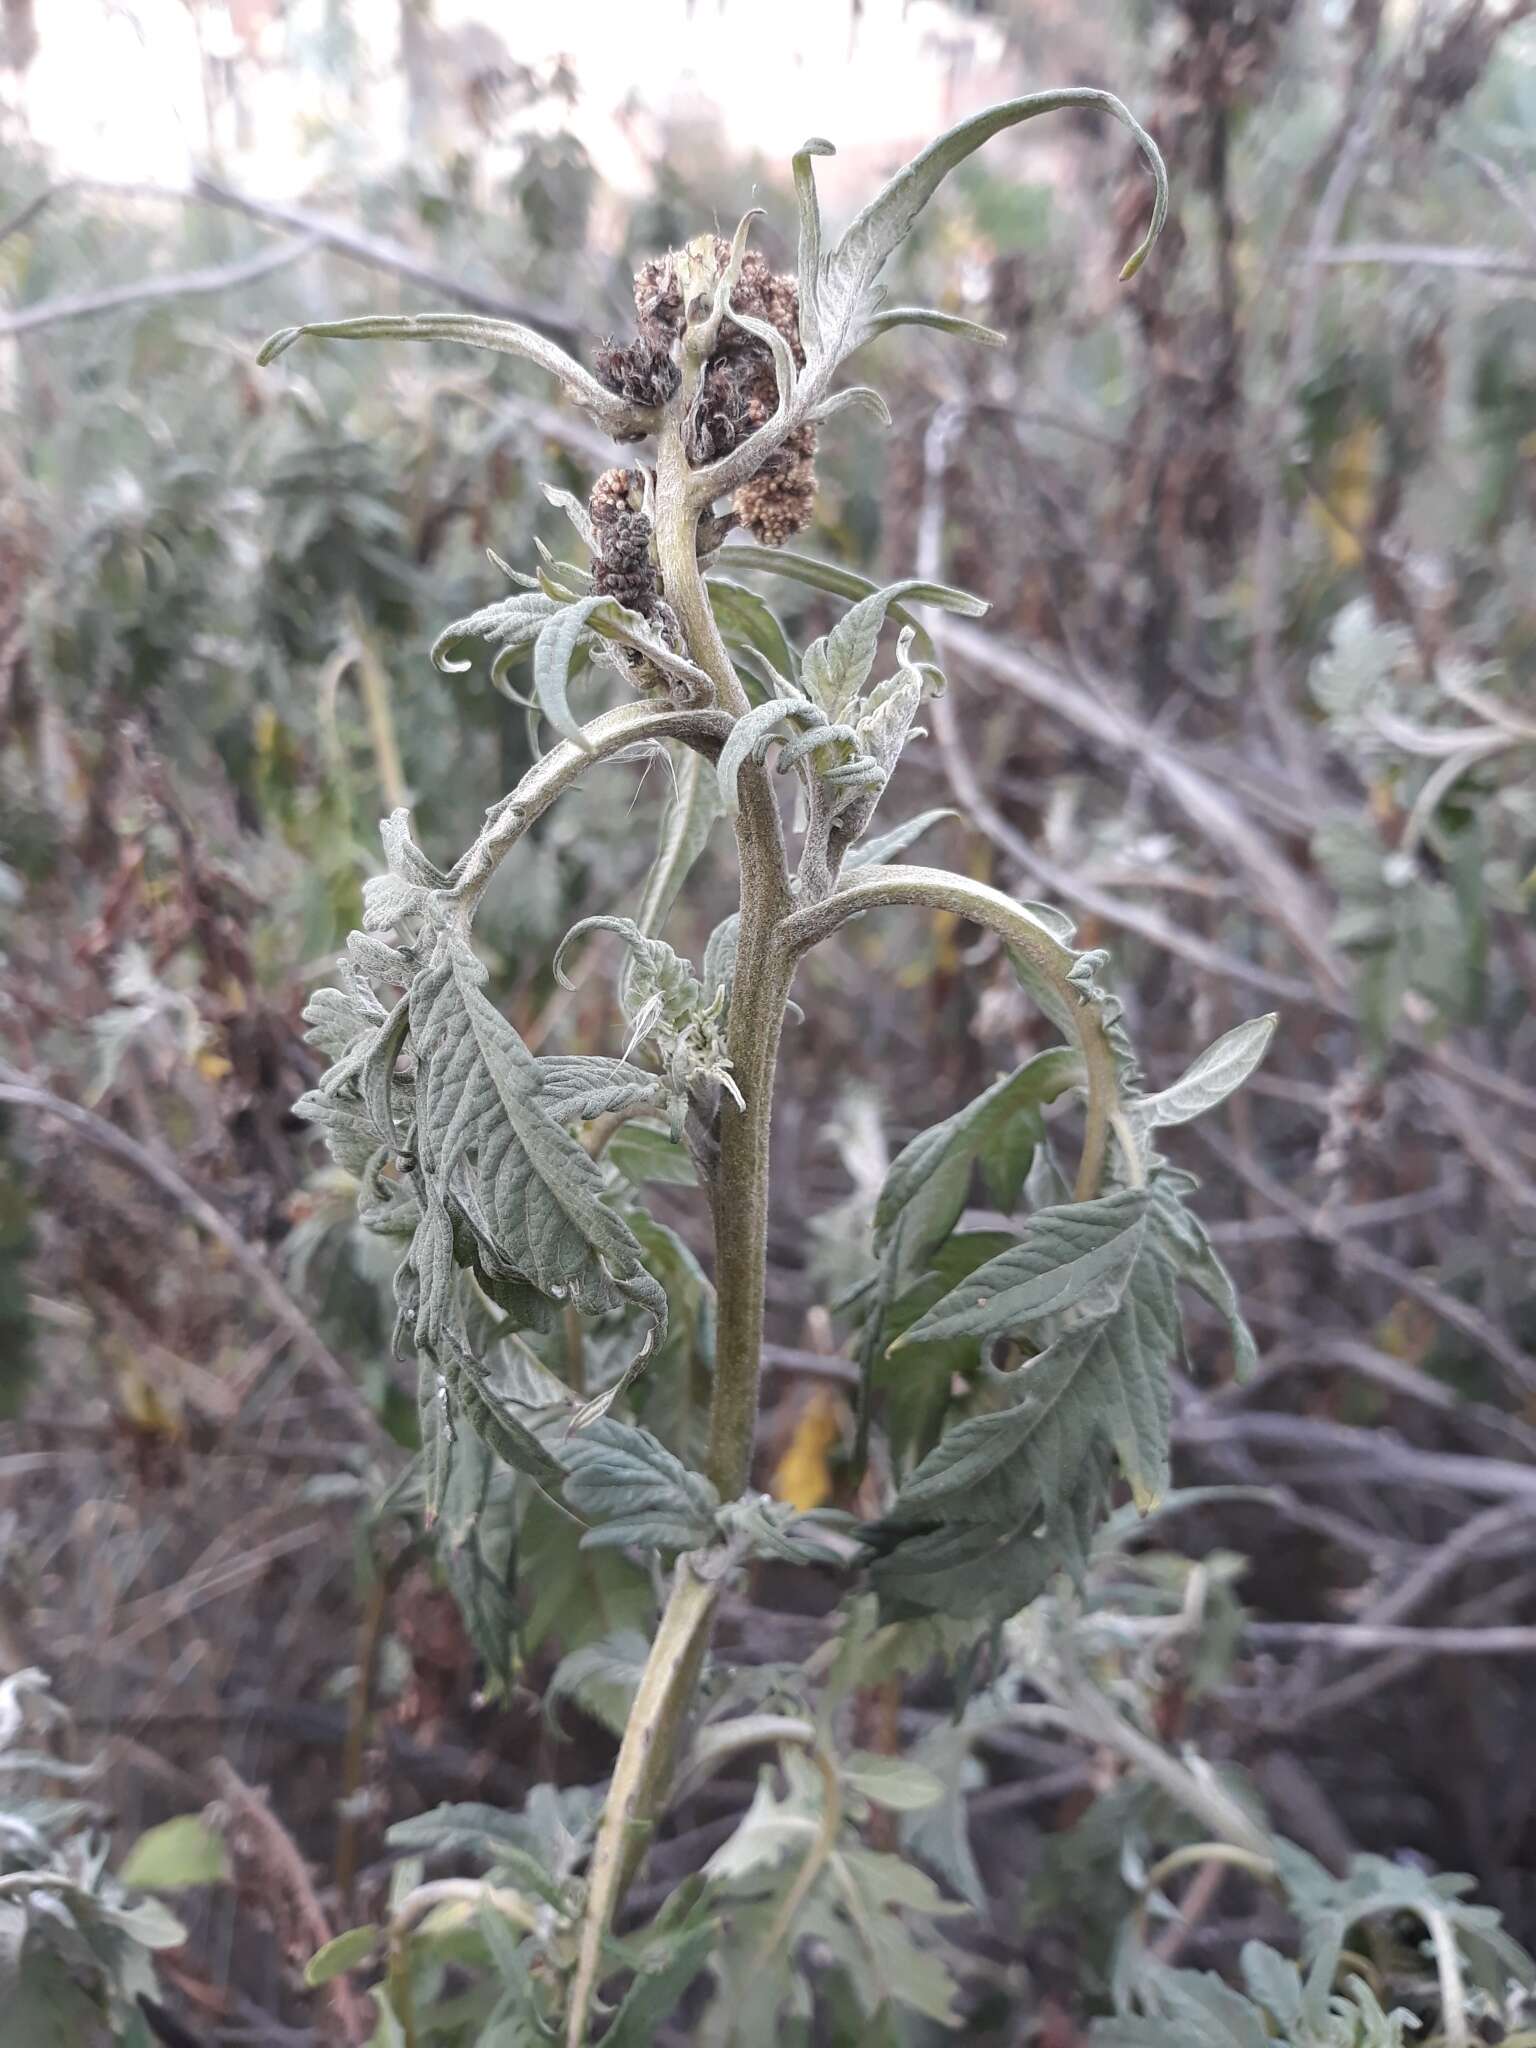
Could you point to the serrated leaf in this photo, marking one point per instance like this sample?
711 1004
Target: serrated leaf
926 1184
1196 1262
602 1677
499 1840
527 1189
634 1490
343 1952
575 1088
1222 1068
658 1987
1081 1254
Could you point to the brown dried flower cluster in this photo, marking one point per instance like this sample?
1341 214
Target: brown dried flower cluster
622 566
738 392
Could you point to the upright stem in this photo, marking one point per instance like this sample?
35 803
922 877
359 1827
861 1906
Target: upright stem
759 993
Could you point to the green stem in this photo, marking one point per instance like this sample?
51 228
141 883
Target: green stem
759 994
644 1764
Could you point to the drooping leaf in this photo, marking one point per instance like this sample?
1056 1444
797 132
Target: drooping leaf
1081 1254
926 1185
632 1488
528 1191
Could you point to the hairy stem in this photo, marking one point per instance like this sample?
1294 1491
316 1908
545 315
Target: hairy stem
934 889
759 993
740 1200
644 1764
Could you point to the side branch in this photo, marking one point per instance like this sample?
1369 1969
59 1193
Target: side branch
609 734
935 889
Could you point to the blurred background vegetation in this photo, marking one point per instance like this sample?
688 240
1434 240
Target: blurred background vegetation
1254 702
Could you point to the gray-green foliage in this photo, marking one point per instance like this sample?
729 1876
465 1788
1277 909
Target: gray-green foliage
76 1948
586 1404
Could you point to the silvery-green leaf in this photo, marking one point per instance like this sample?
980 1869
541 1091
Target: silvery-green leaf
836 667
553 653
1196 1261
749 731
502 1841
494 1419
436 1424
808 263
876 852
635 1491
659 1985
574 510
931 316
840 582
601 1677
863 396
691 812
720 954
642 1152
574 1088
891 1781
1078 1256
505 337
1102 1382
511 623
1220 1069
848 272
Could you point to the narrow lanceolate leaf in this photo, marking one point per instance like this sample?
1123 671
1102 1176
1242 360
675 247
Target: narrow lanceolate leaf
505 337
1220 1069
929 1177
685 828
745 620
875 852
527 1190
847 275
1079 1256
634 1490
553 653
930 316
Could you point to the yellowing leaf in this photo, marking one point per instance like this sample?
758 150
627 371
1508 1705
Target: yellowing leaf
1344 511
803 1476
179 1853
